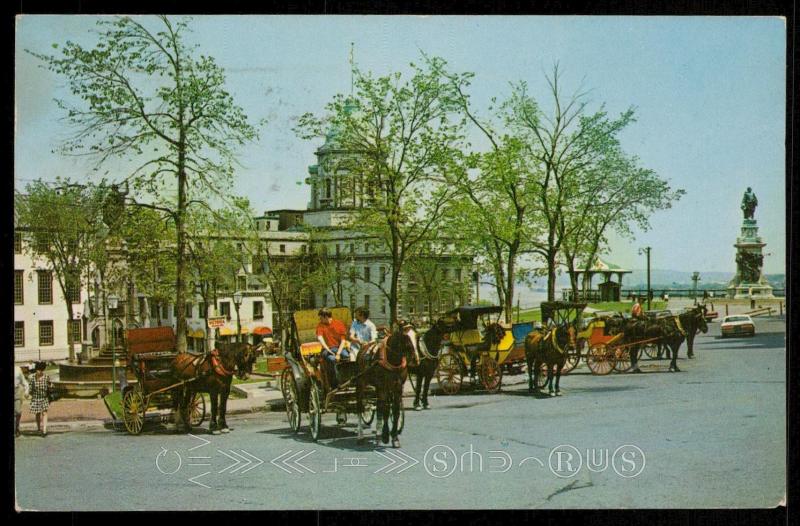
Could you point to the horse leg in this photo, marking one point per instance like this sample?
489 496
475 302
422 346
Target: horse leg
550 390
213 394
673 365
384 403
634 357
396 399
417 386
428 376
178 405
223 407
531 368
690 346
559 366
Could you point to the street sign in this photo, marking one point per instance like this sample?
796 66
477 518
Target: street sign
216 323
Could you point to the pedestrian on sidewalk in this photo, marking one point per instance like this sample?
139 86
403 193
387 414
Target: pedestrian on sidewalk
40 388
20 392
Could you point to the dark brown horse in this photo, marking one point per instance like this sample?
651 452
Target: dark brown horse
429 345
547 346
387 373
212 374
685 326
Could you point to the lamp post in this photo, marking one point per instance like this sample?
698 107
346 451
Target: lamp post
237 301
695 279
646 250
113 301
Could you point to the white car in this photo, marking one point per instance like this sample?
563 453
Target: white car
738 325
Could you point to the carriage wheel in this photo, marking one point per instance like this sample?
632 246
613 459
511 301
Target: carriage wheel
490 373
449 373
622 359
196 410
133 409
542 376
574 356
291 398
651 350
599 359
314 411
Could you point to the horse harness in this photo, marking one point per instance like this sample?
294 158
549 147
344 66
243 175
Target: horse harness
216 364
383 361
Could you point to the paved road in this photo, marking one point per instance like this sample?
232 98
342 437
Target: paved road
711 436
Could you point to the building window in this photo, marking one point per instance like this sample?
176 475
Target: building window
383 274
45 287
19 297
445 274
352 248
241 282
366 301
282 249
74 290
201 310
338 249
175 311
74 331
42 243
458 275
142 306
45 332
164 311
19 334
189 309
240 247
17 243
153 310
258 310
225 309
366 248
366 274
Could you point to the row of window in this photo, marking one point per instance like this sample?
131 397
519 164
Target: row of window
224 310
44 288
47 332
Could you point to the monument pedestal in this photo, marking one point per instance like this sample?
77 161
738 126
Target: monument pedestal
749 281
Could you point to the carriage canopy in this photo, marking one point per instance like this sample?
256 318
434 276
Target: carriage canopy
467 315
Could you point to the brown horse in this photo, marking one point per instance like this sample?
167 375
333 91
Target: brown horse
387 373
548 347
212 373
429 345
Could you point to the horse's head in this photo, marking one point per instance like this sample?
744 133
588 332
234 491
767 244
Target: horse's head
245 357
701 312
399 346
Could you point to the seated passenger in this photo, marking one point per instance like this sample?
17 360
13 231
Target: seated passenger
332 334
362 332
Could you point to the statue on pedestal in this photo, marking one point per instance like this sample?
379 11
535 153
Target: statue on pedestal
749 203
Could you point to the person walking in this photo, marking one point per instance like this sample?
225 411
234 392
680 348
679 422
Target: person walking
40 388
20 392
636 310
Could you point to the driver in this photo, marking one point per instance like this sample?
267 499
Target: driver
332 334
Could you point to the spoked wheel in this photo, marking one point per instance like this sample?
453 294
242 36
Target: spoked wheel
651 350
600 360
449 373
292 399
196 410
622 359
314 411
491 374
133 410
542 376
574 356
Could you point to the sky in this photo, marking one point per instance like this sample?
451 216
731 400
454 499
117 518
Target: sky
709 94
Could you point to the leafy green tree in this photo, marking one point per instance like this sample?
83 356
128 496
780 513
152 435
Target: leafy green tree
405 138
61 224
147 97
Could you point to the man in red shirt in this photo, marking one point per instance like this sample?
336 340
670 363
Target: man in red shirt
332 334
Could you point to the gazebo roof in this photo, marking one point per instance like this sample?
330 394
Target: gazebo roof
601 266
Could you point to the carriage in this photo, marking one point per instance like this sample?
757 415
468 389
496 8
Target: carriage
151 352
477 340
305 385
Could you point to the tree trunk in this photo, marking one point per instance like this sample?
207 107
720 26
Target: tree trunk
70 337
510 276
551 275
180 292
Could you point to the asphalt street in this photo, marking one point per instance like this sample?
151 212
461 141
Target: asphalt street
712 435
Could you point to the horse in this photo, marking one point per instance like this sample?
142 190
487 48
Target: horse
683 327
548 347
694 321
212 374
636 330
387 373
429 345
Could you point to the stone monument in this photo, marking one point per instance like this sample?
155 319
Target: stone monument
749 281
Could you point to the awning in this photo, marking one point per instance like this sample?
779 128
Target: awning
196 334
226 331
262 331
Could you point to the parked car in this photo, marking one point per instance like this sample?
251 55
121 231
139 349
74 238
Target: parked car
738 325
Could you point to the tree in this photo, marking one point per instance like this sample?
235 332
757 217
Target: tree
148 98
405 140
62 225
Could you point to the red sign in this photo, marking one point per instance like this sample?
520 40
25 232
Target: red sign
216 323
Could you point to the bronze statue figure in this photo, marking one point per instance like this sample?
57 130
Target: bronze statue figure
749 203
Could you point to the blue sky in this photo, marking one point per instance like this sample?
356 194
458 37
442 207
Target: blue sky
709 93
